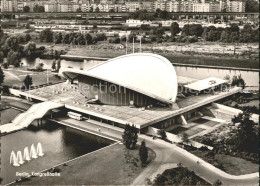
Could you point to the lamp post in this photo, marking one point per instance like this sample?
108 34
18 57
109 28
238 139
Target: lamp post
47 76
140 44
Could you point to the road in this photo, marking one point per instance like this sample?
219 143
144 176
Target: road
166 155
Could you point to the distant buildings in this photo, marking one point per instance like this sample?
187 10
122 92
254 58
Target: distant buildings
125 5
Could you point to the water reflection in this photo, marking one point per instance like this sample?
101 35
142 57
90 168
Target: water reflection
251 78
60 144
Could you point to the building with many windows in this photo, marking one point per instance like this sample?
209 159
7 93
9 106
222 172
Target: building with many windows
125 6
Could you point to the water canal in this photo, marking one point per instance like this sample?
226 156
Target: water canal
59 144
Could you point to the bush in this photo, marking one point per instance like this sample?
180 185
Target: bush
171 39
130 136
143 153
162 134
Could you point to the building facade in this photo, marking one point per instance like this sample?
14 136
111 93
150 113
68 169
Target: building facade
125 6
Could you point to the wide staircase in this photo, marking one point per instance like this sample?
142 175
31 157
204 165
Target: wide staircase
23 120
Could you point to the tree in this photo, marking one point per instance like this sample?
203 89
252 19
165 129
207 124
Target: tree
26 9
185 138
145 27
66 39
81 39
111 10
12 43
79 10
38 8
2 76
114 40
225 36
27 26
234 27
192 30
159 31
217 183
162 134
1 57
30 49
252 6
57 38
175 29
20 39
27 82
95 26
27 37
130 136
163 14
13 58
91 9
88 39
53 65
39 67
246 137
58 65
131 37
143 152
46 35
238 81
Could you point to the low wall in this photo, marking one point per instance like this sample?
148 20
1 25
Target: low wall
175 138
14 92
255 117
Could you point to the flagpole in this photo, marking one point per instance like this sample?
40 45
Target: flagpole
125 44
133 44
140 44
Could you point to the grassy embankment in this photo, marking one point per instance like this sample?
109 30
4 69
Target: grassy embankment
174 58
114 165
14 77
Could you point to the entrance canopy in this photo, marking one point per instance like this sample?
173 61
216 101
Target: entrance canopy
204 84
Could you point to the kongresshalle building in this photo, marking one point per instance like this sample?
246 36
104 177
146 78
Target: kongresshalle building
140 89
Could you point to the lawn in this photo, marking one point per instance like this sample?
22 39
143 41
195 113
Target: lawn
227 163
16 76
189 131
114 165
7 115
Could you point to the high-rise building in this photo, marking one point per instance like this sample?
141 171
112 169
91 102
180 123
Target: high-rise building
8 5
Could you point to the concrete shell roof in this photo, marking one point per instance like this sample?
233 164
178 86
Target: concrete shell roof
149 74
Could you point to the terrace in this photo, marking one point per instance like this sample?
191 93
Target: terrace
74 100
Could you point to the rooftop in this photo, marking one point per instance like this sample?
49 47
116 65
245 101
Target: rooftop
73 100
205 83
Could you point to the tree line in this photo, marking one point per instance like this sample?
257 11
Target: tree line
15 47
189 33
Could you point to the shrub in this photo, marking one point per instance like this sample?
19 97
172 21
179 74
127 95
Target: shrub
162 134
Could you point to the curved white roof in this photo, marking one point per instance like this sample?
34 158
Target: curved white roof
149 74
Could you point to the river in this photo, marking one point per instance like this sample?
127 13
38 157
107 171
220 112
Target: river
251 77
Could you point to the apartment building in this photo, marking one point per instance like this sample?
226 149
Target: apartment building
236 6
160 4
133 6
9 5
126 6
147 5
173 6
